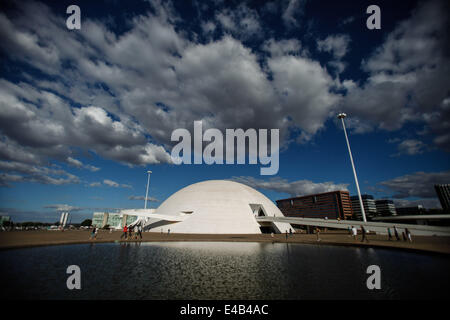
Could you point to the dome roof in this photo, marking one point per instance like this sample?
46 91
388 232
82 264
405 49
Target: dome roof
217 206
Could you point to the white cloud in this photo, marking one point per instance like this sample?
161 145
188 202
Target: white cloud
62 207
408 76
142 198
293 188
292 12
418 184
114 184
410 147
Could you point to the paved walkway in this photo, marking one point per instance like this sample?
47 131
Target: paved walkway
20 239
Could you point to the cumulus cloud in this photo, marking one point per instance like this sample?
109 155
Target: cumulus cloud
293 188
337 45
242 22
292 11
77 163
62 207
23 172
114 184
151 199
410 147
97 91
418 184
407 76
334 44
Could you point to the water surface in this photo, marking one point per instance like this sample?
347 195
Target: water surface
220 270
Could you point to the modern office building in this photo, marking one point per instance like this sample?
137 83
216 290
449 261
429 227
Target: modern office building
385 207
212 207
370 207
443 193
331 205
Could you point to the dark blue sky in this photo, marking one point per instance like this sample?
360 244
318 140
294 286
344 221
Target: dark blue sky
84 113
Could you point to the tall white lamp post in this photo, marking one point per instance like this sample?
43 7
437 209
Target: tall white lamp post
146 193
342 116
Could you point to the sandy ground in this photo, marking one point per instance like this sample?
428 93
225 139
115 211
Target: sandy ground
20 239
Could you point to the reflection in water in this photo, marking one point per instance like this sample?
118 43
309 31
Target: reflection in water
219 270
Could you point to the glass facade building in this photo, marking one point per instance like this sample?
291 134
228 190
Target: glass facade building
370 207
385 207
113 220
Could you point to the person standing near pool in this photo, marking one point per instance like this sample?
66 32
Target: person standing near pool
93 233
396 233
124 234
389 234
140 231
364 236
408 234
354 233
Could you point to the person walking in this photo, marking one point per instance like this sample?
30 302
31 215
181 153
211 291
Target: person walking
124 234
93 233
408 235
364 236
290 232
168 231
389 234
140 231
396 233
354 233
318 234
130 234
286 234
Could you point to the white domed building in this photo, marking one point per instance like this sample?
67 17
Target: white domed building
213 207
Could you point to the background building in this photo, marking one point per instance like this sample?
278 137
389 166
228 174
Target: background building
333 205
63 219
385 207
406 211
443 192
369 206
4 219
113 220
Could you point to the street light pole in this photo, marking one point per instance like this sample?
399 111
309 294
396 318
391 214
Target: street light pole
342 116
146 193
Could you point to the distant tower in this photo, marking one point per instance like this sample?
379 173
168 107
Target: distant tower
63 219
443 192
146 192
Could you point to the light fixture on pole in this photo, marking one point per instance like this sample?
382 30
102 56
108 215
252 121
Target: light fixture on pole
146 193
342 116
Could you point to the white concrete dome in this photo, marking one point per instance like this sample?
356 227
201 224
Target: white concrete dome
216 207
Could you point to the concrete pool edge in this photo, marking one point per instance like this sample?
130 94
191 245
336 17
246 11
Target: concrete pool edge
404 246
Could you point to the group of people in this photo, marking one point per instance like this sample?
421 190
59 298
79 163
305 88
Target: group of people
129 231
406 234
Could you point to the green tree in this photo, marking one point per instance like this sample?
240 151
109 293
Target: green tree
86 223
